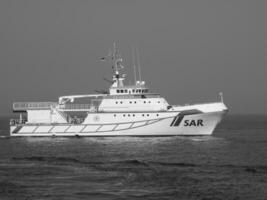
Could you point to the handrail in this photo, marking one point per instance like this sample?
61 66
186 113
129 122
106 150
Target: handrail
32 105
133 96
194 104
18 106
75 106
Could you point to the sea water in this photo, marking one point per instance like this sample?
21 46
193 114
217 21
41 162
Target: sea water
231 164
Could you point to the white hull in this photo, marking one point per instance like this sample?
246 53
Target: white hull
175 124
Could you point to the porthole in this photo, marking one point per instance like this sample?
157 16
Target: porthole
144 101
116 102
121 102
135 102
134 115
123 115
130 102
147 115
157 115
149 102
115 115
129 115
143 115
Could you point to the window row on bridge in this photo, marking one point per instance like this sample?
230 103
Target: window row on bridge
133 102
133 115
132 91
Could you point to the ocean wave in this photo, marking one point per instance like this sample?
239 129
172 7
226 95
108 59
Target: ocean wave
48 159
74 160
132 162
138 163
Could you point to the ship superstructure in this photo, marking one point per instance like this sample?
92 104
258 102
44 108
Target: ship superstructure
125 110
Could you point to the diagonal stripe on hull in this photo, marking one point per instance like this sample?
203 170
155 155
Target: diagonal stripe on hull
17 129
179 120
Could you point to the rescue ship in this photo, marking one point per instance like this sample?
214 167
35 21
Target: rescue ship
123 110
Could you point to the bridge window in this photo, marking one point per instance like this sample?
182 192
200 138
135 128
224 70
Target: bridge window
118 91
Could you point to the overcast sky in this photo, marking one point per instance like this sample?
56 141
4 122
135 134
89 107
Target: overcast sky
190 50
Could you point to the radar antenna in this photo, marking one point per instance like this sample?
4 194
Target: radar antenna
115 58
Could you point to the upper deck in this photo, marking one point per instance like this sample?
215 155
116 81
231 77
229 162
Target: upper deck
23 106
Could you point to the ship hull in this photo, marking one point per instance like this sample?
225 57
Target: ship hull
176 124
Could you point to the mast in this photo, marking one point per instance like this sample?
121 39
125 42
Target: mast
114 58
134 67
138 63
117 66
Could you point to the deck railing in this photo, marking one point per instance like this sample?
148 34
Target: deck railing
17 121
75 107
23 106
19 106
